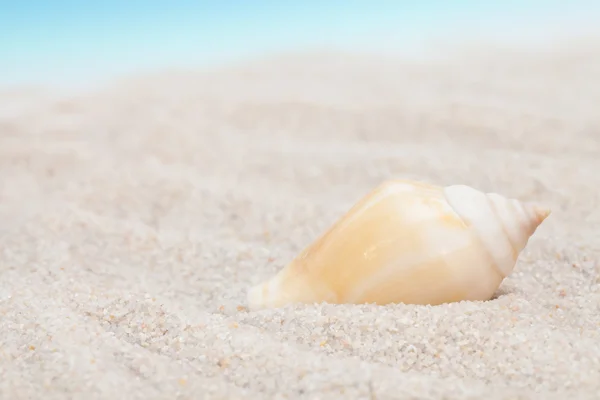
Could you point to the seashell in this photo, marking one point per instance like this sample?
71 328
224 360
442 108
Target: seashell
409 242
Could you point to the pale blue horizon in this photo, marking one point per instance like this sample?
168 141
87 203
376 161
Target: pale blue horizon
66 41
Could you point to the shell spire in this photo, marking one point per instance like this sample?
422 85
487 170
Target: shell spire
409 242
538 214
504 225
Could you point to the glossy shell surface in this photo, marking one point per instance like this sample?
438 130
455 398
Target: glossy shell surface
408 242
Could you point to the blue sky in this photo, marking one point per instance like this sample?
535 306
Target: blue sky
77 40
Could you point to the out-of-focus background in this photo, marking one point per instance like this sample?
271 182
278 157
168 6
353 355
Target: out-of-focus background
80 43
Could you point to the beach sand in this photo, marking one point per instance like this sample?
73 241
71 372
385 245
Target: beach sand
134 218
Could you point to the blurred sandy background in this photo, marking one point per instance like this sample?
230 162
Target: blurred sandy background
134 217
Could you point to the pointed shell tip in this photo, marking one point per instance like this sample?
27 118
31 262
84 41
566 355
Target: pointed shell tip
541 213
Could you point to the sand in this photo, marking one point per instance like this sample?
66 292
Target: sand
135 216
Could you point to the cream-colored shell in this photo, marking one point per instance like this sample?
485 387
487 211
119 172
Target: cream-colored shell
409 242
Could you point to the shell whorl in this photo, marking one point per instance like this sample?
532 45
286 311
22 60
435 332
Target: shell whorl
502 225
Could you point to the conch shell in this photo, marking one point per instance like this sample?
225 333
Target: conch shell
409 242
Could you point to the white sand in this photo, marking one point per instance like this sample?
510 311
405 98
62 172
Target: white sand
135 218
